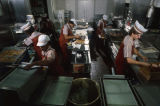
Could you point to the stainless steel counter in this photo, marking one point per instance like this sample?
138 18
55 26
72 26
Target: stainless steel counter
80 53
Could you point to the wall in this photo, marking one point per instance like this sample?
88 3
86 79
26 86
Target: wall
61 4
101 6
110 7
85 10
138 7
51 9
20 8
71 5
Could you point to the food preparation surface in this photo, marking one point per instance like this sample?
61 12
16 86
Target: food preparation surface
11 54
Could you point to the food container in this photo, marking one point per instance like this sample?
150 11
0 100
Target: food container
150 73
84 92
11 55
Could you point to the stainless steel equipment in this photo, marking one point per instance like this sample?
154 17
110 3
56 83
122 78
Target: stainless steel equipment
17 9
157 3
19 85
55 92
11 55
120 23
84 92
117 90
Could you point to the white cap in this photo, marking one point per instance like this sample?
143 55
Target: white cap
139 28
74 21
43 40
26 27
105 17
29 17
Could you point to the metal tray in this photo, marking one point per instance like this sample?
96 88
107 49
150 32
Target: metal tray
11 54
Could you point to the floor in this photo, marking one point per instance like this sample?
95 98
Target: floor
100 65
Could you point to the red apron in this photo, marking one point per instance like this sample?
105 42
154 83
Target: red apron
121 64
100 29
62 43
37 48
55 68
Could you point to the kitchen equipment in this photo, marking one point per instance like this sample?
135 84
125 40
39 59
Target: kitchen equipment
117 91
150 12
157 3
19 85
54 93
84 92
119 23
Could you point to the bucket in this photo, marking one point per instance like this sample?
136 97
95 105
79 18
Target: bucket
84 92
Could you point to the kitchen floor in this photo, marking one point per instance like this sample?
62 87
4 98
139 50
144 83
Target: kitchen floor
100 64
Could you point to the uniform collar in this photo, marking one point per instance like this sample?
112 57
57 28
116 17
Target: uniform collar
44 52
68 26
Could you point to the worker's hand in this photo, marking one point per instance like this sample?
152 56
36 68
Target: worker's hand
154 65
159 65
77 36
146 64
144 58
27 67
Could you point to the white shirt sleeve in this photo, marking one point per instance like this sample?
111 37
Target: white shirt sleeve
65 30
27 41
51 55
99 23
127 48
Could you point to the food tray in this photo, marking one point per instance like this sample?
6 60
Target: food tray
11 54
79 41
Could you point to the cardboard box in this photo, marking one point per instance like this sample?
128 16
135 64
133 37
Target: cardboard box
149 73
78 68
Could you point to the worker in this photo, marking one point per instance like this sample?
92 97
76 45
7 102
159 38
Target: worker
65 36
49 57
31 20
47 27
32 39
102 24
127 49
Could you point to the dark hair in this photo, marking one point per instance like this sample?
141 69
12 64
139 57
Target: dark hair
133 31
30 30
71 22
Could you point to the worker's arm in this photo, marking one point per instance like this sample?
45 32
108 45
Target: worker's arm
46 62
138 54
71 36
39 63
132 61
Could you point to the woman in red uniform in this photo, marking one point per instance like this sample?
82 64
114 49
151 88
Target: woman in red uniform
66 35
49 57
101 25
32 39
127 49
